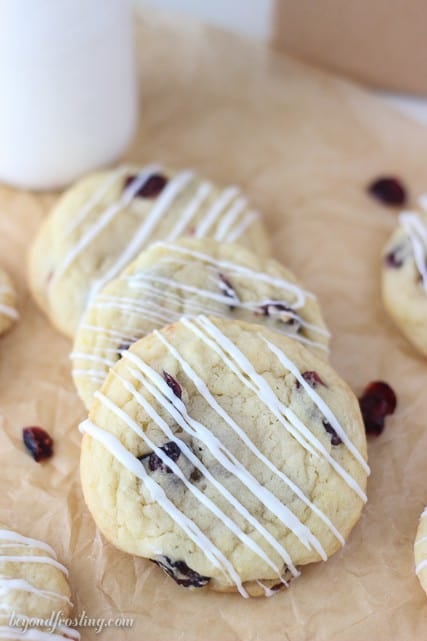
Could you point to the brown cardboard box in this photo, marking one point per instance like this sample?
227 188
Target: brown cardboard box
379 42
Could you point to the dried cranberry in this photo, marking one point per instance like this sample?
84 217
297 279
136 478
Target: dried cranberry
335 439
181 573
171 450
173 384
227 289
394 258
312 379
271 309
377 401
123 347
151 188
38 443
389 190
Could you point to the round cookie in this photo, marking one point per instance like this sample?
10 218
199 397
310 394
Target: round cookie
404 278
8 311
420 551
227 453
104 221
188 277
33 584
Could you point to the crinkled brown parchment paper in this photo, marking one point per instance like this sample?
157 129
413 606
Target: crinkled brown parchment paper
303 145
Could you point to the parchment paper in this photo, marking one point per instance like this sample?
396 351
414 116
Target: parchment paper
303 145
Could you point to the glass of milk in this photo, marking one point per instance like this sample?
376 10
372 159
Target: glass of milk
68 88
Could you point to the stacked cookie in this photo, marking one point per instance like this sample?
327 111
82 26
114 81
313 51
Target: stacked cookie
220 443
33 589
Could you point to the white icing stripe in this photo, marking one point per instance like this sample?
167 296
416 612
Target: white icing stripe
214 212
11 536
318 401
225 457
246 222
424 538
116 449
230 217
268 592
6 310
191 210
417 232
205 393
104 219
32 634
34 559
204 500
93 374
159 294
95 200
140 281
421 566
109 332
424 513
178 411
265 393
173 188
270 402
21 585
92 358
234 268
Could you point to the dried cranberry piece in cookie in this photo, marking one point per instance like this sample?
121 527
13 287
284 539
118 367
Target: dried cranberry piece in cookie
173 384
171 450
389 190
228 290
284 313
123 347
395 258
377 401
151 188
181 573
38 443
335 439
312 379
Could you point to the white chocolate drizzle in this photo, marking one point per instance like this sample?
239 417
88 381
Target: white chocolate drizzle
174 411
13 540
103 221
416 230
33 634
199 538
155 305
244 369
213 403
210 505
223 207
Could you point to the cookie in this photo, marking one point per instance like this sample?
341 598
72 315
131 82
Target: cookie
8 312
33 584
227 453
404 278
104 221
188 277
420 551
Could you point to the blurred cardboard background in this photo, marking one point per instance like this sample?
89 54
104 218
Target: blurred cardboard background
380 42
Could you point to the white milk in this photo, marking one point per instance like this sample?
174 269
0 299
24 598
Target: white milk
68 91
